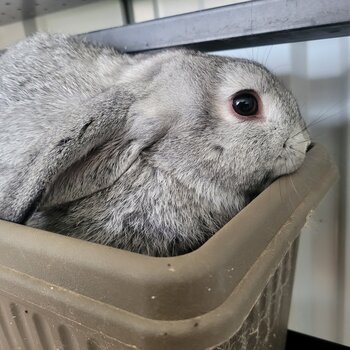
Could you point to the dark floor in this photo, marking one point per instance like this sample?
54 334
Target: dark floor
295 340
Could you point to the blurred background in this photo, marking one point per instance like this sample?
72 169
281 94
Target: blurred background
317 72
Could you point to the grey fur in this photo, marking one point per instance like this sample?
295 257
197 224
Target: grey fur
141 152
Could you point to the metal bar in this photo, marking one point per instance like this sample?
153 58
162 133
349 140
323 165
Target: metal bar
128 12
253 23
29 24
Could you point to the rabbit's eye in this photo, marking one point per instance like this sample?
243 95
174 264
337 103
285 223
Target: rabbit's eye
245 103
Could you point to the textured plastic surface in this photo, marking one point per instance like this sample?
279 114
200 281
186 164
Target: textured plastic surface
58 292
265 328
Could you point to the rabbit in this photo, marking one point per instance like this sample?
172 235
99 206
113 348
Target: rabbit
151 153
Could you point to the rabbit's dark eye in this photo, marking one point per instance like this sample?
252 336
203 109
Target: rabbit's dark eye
245 103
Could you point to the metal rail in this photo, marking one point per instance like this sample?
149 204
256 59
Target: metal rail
253 23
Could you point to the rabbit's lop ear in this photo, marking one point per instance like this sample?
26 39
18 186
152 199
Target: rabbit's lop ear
87 150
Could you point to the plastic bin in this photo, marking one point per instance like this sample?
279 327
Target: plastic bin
58 292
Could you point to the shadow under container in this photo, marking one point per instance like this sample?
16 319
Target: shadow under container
234 292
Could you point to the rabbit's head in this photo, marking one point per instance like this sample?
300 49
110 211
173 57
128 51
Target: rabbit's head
229 123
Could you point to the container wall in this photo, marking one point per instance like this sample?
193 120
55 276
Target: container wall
266 325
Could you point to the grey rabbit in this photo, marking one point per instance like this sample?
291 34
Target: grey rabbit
152 153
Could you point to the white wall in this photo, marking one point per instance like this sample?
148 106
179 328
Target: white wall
145 10
318 73
99 15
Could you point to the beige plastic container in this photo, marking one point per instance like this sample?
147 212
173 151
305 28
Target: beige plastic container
234 292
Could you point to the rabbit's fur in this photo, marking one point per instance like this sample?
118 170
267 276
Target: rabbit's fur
137 152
